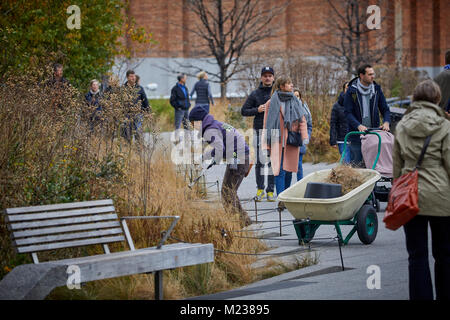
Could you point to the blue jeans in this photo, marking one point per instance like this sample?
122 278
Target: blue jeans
181 115
300 167
132 126
347 158
284 178
356 157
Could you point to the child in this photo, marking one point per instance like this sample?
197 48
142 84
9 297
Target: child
230 145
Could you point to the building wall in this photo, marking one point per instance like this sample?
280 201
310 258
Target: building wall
418 30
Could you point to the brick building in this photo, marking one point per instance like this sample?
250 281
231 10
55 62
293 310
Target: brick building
415 31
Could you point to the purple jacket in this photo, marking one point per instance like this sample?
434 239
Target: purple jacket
223 137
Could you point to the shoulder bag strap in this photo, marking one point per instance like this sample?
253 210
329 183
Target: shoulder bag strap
424 149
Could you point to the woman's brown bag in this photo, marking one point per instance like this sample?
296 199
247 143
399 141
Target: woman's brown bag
403 203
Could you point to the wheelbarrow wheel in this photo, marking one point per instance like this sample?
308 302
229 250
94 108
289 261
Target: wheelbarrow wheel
367 224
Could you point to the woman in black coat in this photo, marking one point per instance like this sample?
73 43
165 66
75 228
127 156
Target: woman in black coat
338 125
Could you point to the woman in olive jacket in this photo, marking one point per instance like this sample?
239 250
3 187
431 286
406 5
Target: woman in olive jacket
423 118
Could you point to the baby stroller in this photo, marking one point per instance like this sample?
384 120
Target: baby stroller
369 150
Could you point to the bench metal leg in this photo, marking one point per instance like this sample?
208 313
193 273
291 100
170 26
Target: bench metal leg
159 285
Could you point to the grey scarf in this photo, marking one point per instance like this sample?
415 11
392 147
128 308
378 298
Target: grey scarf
293 111
367 92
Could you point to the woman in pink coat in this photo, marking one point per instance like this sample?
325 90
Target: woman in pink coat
283 113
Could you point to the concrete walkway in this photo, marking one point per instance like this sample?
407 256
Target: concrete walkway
325 280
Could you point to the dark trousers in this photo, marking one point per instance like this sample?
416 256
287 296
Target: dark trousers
231 182
259 168
416 232
356 156
181 116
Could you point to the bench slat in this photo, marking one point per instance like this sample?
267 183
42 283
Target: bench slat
69 244
60 206
58 214
67 236
72 228
56 222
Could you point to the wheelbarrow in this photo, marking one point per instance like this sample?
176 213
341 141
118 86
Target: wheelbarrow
356 208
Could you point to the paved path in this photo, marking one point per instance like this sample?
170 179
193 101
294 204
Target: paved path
325 280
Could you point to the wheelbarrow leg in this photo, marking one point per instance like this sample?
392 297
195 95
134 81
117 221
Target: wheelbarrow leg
339 232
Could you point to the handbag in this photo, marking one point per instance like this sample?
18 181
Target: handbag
403 201
294 139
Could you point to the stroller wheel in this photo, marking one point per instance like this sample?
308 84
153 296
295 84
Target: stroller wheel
375 202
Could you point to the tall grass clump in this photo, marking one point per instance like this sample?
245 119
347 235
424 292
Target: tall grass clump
55 148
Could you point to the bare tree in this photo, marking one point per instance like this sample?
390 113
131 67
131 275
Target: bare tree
228 28
352 45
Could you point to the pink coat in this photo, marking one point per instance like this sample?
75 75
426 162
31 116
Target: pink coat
291 153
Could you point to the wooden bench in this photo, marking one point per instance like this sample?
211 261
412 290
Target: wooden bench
49 227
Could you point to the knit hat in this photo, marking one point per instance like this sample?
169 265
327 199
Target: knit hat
198 113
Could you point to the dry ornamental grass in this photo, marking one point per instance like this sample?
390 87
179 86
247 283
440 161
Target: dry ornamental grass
348 177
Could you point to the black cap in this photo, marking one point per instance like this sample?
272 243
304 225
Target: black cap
267 69
197 113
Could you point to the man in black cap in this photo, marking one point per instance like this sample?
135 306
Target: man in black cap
254 107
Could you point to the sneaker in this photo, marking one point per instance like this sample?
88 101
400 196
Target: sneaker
270 197
259 195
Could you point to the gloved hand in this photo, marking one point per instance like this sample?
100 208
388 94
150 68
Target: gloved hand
213 162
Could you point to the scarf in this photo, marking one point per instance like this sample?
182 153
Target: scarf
293 111
367 93
447 67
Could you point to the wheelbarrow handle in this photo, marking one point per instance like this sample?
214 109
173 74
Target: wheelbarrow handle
368 131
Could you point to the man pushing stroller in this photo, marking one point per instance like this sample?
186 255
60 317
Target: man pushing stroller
363 102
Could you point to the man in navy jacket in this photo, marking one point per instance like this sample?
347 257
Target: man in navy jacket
179 99
363 103
254 107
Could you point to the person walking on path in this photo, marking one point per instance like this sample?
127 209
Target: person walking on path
93 101
422 119
179 100
218 134
284 114
203 90
443 80
363 101
134 124
339 126
308 117
254 106
58 87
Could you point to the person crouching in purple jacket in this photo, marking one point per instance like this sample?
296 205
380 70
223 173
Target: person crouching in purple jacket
230 145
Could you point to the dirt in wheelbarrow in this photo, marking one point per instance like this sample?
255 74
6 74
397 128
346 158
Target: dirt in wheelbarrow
348 177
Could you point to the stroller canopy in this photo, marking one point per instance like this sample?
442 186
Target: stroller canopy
369 150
